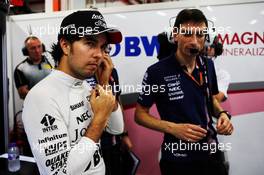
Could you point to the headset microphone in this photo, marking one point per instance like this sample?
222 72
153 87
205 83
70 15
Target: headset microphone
194 51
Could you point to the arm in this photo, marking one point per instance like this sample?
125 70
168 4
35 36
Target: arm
102 106
223 81
224 125
146 99
49 137
220 97
51 149
188 132
21 83
23 91
126 142
115 124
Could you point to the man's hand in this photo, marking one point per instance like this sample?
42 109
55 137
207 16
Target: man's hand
188 132
126 143
224 125
104 70
102 102
23 91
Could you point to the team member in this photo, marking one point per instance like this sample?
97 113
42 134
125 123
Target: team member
182 87
167 48
33 69
63 117
27 74
223 80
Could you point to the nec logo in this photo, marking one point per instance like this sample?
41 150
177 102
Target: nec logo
48 121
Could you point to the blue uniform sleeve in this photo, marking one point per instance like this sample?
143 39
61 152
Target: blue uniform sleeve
146 96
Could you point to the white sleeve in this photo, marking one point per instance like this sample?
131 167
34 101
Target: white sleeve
115 123
49 138
223 80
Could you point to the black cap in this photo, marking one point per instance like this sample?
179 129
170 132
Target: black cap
88 22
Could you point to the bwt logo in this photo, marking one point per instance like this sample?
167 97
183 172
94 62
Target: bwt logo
133 46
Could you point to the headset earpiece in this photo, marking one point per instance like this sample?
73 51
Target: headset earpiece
210 33
169 34
25 51
43 48
217 46
210 37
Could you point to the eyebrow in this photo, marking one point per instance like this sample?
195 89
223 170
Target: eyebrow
95 39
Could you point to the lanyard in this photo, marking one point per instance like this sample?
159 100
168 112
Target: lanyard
200 83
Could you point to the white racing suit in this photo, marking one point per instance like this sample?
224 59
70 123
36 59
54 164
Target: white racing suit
56 115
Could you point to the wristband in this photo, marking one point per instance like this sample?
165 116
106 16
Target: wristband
226 112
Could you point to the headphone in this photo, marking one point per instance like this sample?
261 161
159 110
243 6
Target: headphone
211 35
169 34
166 44
218 47
25 50
213 40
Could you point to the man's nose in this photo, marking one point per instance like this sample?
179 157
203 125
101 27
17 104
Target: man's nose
38 49
98 54
194 39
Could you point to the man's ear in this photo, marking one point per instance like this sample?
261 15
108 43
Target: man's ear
175 37
65 46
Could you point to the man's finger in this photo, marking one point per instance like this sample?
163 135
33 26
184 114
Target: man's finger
100 89
198 129
219 122
195 138
108 59
93 94
198 134
223 126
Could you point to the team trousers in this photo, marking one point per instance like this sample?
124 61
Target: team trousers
214 165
